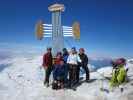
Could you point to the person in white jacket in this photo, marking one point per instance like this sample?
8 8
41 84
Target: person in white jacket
73 60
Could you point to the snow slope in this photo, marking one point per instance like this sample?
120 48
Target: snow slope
23 80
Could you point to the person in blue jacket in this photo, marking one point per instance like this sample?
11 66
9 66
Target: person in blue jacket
59 75
65 57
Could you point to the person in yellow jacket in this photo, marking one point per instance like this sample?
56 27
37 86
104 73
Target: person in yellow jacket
119 75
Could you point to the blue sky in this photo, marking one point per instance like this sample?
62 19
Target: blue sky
106 25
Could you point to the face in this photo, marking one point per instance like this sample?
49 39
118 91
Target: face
73 51
58 56
49 51
81 51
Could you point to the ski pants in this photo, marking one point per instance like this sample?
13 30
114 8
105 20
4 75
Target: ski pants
47 74
86 71
72 73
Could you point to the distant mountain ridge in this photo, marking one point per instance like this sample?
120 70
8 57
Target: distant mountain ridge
130 61
99 63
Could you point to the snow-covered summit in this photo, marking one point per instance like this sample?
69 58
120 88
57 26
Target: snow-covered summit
23 80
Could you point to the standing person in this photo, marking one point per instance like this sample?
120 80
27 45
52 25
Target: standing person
65 57
73 60
84 63
47 65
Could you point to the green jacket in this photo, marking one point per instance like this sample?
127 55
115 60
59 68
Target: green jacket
118 76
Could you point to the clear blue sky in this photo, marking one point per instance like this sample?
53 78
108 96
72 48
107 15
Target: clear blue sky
106 25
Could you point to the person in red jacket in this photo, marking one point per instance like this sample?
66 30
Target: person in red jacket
47 65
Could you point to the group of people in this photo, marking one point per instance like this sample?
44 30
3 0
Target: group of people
65 67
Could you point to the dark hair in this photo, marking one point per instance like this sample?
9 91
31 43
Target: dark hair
64 49
58 53
49 48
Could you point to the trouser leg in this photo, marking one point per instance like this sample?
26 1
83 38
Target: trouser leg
87 72
70 74
47 74
66 73
77 73
74 73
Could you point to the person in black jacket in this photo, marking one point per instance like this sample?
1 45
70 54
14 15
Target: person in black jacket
65 57
83 64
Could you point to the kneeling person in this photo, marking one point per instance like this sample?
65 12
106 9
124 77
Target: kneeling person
58 75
